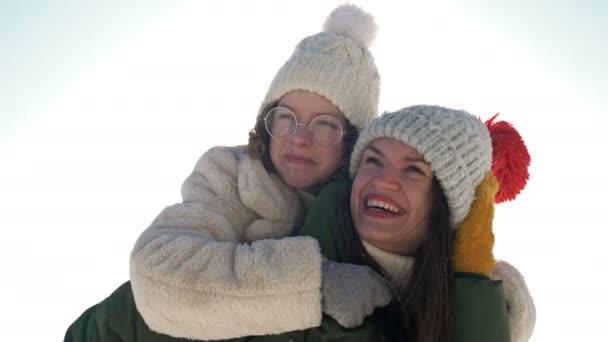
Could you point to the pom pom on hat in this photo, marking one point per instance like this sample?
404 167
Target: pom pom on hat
510 159
351 21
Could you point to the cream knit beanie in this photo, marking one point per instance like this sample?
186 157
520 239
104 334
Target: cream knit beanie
336 64
455 143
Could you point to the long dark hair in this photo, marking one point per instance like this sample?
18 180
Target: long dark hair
259 145
423 313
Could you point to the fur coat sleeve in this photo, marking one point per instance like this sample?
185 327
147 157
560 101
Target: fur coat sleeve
212 267
520 305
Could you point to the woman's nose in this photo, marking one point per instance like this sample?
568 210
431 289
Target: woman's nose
301 136
388 179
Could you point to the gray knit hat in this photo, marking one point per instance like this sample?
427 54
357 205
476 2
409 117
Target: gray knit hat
336 64
455 143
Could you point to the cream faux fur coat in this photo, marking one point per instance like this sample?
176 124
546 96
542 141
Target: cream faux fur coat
218 265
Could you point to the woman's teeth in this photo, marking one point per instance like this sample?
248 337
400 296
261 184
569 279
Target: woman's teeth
382 205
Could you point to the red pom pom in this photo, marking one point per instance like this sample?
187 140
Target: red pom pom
510 159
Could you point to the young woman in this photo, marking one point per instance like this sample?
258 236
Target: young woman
420 211
213 259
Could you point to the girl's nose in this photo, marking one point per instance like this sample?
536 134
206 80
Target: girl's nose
301 136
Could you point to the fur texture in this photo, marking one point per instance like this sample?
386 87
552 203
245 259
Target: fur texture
521 308
192 278
351 21
195 276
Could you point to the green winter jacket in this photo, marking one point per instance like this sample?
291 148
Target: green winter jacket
116 319
479 304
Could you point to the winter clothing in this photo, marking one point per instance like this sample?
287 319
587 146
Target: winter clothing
474 241
336 280
226 297
192 278
116 319
193 275
479 306
456 144
398 268
522 312
510 161
335 64
476 165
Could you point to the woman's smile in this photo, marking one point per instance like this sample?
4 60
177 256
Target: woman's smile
382 206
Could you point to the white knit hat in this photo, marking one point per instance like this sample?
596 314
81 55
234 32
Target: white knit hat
336 64
455 143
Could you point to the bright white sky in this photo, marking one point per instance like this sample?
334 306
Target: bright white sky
105 107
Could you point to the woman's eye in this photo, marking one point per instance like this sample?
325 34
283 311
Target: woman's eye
414 169
371 161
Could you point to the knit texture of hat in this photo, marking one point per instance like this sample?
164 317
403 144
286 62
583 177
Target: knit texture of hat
335 64
456 144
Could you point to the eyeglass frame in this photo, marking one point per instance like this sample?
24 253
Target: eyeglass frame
342 131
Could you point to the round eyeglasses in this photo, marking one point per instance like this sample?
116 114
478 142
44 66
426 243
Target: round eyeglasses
324 130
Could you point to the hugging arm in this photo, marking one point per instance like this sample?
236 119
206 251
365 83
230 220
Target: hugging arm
194 274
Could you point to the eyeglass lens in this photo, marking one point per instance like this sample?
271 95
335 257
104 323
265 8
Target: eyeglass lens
281 123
